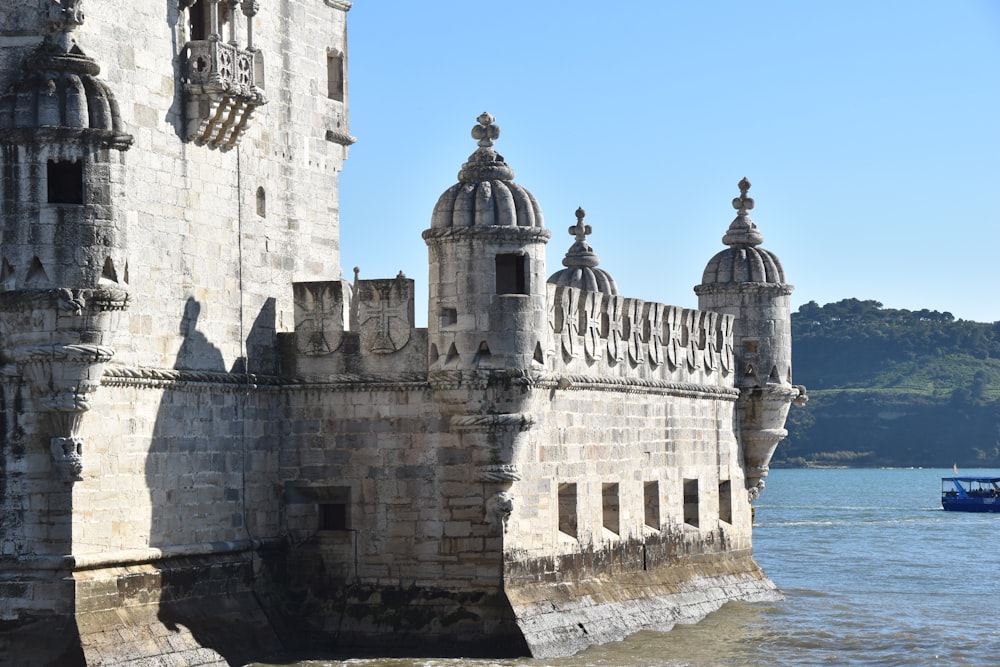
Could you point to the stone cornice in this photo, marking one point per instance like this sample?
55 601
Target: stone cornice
63 298
131 557
342 5
567 382
117 375
779 289
492 233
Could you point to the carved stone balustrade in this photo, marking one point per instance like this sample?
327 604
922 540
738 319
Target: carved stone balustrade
221 91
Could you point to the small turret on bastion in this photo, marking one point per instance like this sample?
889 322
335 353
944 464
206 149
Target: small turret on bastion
748 282
486 247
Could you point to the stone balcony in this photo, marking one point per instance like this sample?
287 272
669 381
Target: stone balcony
222 87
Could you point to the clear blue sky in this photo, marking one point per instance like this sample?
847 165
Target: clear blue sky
869 129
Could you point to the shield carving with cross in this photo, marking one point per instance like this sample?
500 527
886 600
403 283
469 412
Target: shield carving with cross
384 313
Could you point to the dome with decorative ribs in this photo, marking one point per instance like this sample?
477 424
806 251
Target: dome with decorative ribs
581 263
59 92
743 261
486 195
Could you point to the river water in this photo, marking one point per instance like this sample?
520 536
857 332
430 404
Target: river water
874 573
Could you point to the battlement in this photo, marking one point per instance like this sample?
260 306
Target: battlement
368 327
605 334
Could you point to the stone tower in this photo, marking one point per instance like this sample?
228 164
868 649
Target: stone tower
486 246
64 274
64 265
748 282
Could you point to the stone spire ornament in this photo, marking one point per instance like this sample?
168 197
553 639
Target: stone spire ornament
485 163
65 16
580 253
581 263
485 131
743 231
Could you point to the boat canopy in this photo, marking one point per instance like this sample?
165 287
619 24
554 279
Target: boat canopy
974 486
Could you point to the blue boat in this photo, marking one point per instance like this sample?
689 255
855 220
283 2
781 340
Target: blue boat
970 494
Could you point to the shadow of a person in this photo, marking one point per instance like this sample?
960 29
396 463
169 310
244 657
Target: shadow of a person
196 352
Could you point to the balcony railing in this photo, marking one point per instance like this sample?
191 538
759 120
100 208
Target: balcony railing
222 87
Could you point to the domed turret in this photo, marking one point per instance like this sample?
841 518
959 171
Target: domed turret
57 123
487 262
486 194
60 93
748 282
581 263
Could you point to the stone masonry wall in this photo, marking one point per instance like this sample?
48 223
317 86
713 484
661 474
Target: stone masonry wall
199 231
414 548
645 442
175 465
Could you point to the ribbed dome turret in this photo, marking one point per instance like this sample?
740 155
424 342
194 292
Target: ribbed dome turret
486 195
743 261
581 263
60 93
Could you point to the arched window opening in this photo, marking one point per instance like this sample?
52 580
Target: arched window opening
261 202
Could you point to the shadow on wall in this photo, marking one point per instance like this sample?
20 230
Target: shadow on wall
196 352
196 476
261 344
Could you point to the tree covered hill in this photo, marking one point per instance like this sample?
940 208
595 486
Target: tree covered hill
893 387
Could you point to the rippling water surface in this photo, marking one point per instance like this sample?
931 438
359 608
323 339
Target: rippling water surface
873 571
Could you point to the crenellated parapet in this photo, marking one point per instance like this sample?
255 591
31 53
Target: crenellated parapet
607 334
364 327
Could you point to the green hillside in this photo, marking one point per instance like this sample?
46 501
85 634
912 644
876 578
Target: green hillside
893 387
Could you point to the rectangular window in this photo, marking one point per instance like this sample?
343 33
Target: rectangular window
567 509
65 182
335 76
609 502
334 508
725 501
512 274
651 502
200 19
449 317
333 516
691 502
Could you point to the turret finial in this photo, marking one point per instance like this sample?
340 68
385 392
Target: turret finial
486 131
580 230
485 163
581 262
65 16
743 231
743 204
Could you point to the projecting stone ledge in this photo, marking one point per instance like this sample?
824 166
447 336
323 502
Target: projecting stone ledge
560 618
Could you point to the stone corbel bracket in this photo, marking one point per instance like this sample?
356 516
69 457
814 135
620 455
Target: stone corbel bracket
762 412
53 338
496 435
61 379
